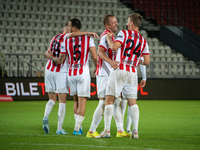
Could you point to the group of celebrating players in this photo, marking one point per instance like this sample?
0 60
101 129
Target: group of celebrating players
116 75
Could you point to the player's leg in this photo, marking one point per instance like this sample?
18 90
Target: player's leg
131 94
83 92
49 105
117 114
134 112
75 107
50 89
98 113
113 89
62 90
107 116
129 122
80 113
61 113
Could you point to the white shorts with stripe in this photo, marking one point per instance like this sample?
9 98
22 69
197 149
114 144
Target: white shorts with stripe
101 82
122 81
56 82
80 85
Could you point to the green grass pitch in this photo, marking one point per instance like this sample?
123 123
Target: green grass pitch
163 124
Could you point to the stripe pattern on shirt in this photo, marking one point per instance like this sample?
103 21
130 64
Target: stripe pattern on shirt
77 50
131 50
55 45
101 69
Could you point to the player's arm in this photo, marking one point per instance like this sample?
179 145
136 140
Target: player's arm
74 34
113 45
94 55
144 78
103 56
146 60
59 60
47 53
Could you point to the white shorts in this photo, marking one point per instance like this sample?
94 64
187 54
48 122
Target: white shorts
80 85
101 82
122 81
56 82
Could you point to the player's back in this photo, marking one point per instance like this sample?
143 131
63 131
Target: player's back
77 50
54 47
131 50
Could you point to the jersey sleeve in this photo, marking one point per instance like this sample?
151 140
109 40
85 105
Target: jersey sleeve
91 43
103 43
146 50
63 45
120 37
50 45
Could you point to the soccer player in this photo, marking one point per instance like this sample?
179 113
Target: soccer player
106 61
130 45
56 80
77 50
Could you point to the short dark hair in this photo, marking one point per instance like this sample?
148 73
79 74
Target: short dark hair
106 19
136 19
75 23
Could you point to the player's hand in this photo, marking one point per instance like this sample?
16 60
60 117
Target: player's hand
49 54
109 35
114 64
93 34
142 83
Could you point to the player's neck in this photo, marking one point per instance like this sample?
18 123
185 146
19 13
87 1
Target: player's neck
109 30
135 29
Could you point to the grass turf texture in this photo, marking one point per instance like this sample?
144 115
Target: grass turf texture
163 125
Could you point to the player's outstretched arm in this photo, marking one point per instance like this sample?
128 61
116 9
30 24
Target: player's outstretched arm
113 45
74 34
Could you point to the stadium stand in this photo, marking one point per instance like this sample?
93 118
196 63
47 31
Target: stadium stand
27 26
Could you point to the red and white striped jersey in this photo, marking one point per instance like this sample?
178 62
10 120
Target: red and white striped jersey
133 47
55 46
77 50
104 68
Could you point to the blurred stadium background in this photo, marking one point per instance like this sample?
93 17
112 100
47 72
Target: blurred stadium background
171 27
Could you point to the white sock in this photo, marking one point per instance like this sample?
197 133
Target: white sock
134 111
75 120
117 114
48 108
61 115
129 120
107 117
124 102
97 117
79 120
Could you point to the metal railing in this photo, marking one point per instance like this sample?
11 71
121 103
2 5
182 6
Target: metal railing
154 69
